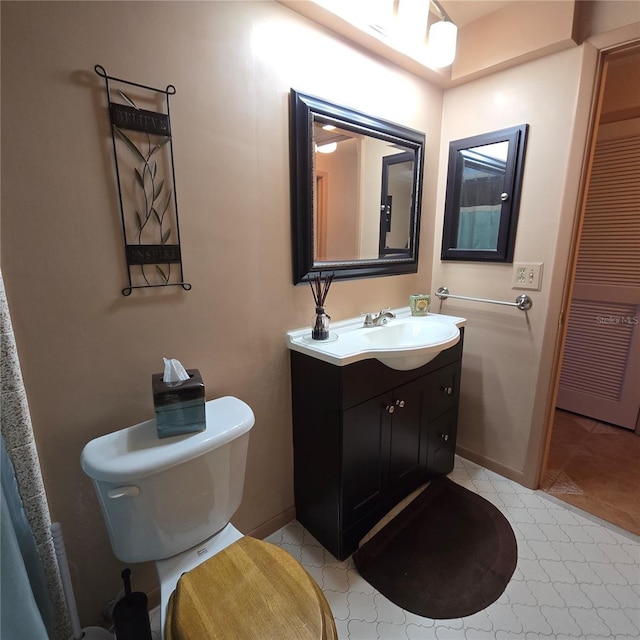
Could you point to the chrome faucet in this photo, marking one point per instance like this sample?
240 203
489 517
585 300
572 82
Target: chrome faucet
375 320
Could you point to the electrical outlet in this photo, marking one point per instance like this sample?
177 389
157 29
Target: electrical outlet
527 275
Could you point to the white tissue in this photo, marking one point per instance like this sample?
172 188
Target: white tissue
174 371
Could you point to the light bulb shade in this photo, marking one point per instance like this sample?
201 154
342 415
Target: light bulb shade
330 147
441 48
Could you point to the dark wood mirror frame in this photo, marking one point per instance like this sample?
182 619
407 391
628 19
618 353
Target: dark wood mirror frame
516 137
303 109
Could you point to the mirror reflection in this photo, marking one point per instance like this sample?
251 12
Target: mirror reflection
363 203
481 192
483 195
356 183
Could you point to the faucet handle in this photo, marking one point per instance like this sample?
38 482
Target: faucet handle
384 316
368 320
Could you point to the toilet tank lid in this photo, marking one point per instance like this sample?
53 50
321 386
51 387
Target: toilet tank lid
137 451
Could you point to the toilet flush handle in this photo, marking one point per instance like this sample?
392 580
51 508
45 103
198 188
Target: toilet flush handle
124 492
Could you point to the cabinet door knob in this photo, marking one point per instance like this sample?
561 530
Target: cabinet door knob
447 390
445 436
400 403
390 408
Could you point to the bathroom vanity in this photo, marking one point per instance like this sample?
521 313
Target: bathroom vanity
367 435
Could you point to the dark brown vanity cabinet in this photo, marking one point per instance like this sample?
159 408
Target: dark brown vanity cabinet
365 436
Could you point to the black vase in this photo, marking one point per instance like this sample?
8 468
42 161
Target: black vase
320 328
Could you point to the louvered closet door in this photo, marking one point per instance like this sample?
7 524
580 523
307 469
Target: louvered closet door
600 374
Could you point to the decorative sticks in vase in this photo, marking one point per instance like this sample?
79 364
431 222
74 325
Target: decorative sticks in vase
320 289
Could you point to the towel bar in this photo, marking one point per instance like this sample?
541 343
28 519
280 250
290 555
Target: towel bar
523 301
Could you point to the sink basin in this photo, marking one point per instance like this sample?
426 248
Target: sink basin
406 342
410 334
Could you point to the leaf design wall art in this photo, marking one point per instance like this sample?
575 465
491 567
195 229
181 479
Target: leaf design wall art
143 153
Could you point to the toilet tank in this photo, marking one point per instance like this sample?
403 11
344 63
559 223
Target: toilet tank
163 496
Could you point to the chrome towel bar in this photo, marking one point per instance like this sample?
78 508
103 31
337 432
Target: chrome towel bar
523 302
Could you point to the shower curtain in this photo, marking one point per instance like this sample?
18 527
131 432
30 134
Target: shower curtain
480 209
26 607
32 597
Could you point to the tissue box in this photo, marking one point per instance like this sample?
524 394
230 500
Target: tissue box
179 406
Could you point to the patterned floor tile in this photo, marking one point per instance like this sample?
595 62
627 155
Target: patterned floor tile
576 578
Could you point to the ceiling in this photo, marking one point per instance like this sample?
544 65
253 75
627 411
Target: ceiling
463 12
469 16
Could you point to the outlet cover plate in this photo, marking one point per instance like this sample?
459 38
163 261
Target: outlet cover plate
527 275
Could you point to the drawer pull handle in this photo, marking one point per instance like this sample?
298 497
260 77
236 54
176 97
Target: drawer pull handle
445 436
390 408
400 403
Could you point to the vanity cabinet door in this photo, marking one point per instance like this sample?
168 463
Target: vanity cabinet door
442 443
384 451
365 457
407 452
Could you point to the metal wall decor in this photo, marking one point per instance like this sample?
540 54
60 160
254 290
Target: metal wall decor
143 153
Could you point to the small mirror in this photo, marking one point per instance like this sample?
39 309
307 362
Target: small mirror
483 195
356 186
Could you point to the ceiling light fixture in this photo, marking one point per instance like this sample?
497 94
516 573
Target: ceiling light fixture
330 147
443 35
402 25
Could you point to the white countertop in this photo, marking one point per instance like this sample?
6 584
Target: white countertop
348 341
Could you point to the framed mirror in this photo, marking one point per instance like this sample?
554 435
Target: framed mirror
484 180
356 184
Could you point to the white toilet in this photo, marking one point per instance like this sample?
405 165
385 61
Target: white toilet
170 500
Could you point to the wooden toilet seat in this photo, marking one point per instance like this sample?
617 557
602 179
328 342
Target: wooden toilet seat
252 590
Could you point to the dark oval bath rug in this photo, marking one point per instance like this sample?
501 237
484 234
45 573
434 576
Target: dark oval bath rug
449 554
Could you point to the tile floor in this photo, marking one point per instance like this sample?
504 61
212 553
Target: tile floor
595 466
577 578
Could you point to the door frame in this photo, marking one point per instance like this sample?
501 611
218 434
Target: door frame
606 46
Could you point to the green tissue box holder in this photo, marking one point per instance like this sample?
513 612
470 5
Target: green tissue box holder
179 406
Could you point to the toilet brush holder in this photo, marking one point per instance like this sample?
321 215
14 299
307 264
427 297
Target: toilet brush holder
130 615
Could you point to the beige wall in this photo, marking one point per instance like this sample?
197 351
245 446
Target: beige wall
87 352
503 346
510 360
342 202
499 39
